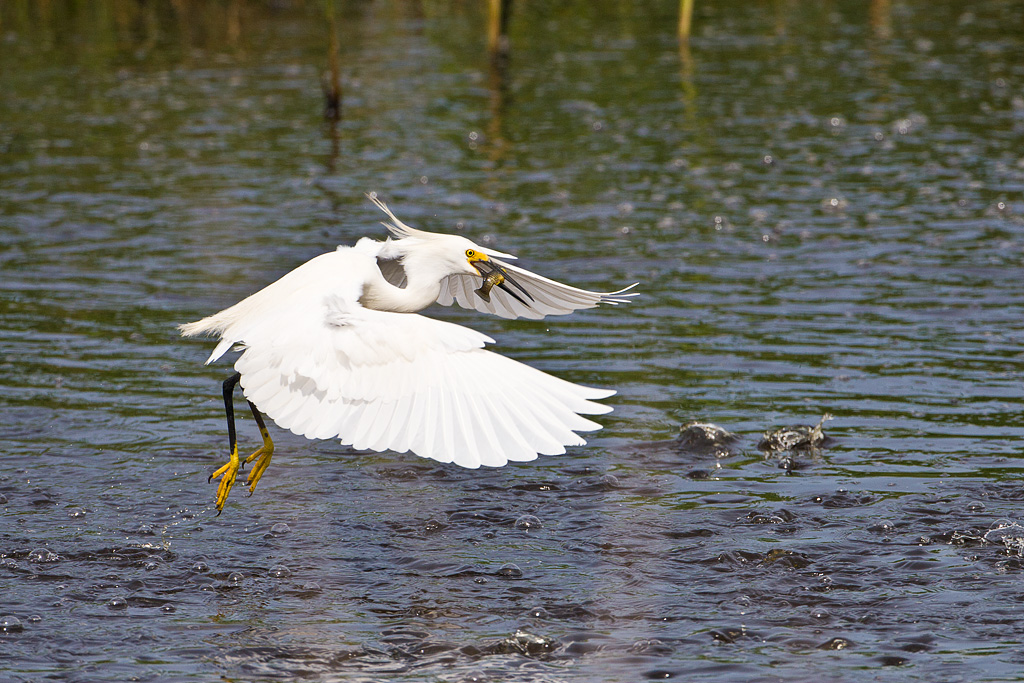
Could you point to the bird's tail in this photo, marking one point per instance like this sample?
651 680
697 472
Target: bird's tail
208 325
215 324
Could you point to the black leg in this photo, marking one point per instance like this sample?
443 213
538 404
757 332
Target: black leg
229 408
261 456
259 419
229 470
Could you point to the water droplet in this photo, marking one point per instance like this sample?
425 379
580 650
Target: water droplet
200 567
280 572
34 619
311 587
146 530
523 642
528 522
235 578
168 609
538 613
8 563
3 499
609 481
473 135
43 556
424 180
117 604
820 613
510 571
433 525
280 529
767 160
75 513
835 644
976 506
10 624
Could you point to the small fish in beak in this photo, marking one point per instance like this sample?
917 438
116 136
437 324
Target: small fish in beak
491 280
496 276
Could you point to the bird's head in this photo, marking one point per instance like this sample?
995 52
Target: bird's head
494 274
473 256
434 255
452 254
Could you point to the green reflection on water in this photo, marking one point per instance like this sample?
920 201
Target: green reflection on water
821 201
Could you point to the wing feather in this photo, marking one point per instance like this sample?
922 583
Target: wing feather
377 433
488 449
361 435
546 297
533 427
449 399
513 445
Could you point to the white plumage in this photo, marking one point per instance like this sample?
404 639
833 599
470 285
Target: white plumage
335 349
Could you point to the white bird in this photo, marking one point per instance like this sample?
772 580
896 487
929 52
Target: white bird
335 349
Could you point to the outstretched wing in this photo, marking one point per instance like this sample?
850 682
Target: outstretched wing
402 382
537 297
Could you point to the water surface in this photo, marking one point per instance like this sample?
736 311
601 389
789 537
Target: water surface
823 206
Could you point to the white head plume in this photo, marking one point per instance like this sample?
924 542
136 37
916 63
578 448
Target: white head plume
400 230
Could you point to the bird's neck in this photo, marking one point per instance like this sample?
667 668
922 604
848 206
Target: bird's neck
421 289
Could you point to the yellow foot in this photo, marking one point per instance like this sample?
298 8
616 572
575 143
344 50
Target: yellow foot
264 453
227 473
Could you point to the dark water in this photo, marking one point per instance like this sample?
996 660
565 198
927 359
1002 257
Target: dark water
823 205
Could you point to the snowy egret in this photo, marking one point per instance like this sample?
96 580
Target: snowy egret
335 349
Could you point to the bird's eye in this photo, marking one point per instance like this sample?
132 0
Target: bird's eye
470 253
